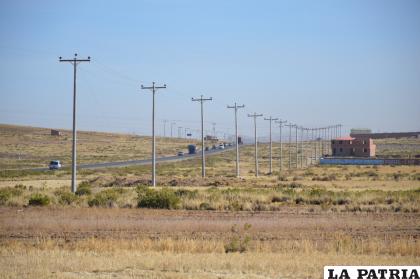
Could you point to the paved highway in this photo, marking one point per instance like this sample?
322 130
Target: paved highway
141 162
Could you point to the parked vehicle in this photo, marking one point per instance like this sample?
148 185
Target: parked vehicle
55 165
192 149
221 146
180 153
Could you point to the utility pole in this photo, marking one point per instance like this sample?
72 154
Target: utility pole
236 107
172 126
74 62
255 115
164 127
290 125
280 122
313 152
296 147
214 129
271 119
179 131
307 139
316 144
203 162
302 135
154 89
322 142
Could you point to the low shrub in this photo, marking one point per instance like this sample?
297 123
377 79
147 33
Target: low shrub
150 198
84 189
65 197
106 198
205 206
39 200
282 178
186 193
279 199
239 241
8 192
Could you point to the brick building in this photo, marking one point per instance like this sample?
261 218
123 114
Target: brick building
353 147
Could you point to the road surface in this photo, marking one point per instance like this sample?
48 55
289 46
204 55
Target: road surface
140 162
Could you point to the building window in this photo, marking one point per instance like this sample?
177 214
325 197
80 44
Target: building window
350 142
364 142
340 142
333 142
334 151
365 150
341 150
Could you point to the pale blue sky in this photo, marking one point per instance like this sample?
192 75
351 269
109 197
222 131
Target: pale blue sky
314 63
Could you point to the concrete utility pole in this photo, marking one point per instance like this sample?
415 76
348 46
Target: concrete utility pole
280 122
172 126
271 119
154 89
236 107
301 146
296 147
255 115
164 127
214 129
307 139
322 141
74 62
290 125
203 162
313 152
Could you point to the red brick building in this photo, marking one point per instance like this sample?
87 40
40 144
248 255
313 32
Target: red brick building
353 147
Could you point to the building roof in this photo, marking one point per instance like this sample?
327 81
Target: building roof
345 138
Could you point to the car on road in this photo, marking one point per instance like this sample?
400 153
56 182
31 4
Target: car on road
55 165
213 147
180 153
207 148
221 146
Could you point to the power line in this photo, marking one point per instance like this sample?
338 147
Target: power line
203 161
153 88
74 62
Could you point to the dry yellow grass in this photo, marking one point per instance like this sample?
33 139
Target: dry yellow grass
179 259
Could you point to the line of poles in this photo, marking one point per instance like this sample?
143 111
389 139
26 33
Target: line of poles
314 139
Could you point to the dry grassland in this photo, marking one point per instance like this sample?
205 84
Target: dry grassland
288 224
123 243
29 147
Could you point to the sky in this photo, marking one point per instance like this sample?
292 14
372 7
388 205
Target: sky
313 63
